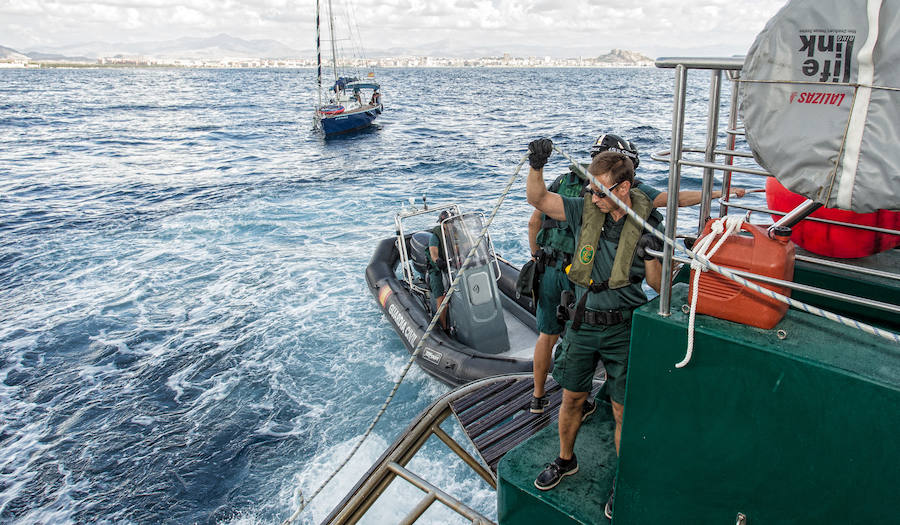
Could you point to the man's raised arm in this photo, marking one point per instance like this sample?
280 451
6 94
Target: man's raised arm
535 190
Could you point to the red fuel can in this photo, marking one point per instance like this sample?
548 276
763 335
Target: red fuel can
749 250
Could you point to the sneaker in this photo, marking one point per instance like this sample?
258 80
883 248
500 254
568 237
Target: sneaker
538 404
554 473
609 503
588 408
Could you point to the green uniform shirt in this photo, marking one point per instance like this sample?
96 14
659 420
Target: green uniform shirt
627 297
648 190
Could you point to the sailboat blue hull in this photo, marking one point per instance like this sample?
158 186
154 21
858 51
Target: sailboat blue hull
347 122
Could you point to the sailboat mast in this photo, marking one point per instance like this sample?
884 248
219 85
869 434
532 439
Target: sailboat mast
319 53
333 51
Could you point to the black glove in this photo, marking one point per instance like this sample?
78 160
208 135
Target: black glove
441 264
648 240
538 152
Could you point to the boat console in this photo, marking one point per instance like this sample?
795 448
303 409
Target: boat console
476 312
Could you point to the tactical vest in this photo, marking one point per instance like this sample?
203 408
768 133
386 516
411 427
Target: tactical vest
592 223
555 234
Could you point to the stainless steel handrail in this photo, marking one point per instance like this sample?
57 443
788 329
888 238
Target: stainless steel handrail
665 156
712 135
893 308
674 156
759 209
394 460
732 139
665 291
724 63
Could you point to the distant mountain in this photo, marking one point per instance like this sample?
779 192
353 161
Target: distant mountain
621 56
463 49
215 47
225 46
7 53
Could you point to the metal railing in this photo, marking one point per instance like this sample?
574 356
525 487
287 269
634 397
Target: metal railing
674 156
392 464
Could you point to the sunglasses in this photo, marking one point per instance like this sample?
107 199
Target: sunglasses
598 193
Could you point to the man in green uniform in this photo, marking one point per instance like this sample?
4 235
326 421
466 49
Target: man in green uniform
552 244
437 265
609 264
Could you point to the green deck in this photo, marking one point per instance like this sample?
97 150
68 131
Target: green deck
579 498
800 430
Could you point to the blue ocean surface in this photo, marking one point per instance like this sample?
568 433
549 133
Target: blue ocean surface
186 333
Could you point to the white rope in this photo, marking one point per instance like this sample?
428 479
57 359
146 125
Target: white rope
412 358
852 323
696 259
725 227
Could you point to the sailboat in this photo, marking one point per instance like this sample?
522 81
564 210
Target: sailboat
351 103
791 423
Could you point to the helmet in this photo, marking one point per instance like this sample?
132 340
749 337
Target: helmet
610 142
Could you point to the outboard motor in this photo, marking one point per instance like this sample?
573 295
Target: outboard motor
418 251
475 308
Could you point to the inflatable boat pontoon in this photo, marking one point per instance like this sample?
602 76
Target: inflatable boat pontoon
494 332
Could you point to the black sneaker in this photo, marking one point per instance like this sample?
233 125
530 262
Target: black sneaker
555 472
588 408
538 404
609 503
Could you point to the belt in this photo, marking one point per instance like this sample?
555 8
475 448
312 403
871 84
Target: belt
601 317
553 259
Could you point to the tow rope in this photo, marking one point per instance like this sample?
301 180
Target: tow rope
725 272
412 358
700 260
725 227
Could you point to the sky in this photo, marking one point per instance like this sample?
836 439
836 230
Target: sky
652 27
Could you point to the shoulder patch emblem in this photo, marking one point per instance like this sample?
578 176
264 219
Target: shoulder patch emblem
587 254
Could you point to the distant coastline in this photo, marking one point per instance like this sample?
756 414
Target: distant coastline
86 65
240 54
409 62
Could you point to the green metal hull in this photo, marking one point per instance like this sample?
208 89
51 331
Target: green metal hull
799 430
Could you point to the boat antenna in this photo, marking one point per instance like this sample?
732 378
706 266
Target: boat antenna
333 50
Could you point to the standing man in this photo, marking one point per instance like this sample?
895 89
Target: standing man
552 244
609 264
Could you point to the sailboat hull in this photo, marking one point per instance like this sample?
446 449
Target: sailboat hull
347 122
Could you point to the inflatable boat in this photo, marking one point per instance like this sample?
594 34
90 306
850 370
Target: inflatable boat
490 330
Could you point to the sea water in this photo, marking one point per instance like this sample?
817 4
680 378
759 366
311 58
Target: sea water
186 334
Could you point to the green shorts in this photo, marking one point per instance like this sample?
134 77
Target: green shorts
436 283
580 350
553 282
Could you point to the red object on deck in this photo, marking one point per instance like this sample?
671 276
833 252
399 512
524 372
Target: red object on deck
331 110
723 298
830 240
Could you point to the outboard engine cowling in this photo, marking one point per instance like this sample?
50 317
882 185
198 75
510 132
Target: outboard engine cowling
418 251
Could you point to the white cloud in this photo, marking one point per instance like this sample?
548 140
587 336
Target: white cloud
648 26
